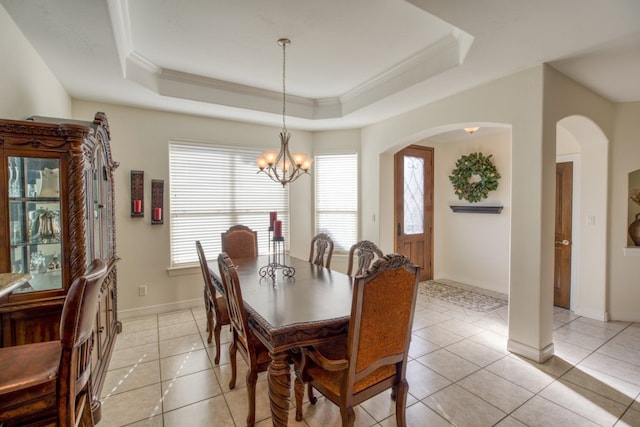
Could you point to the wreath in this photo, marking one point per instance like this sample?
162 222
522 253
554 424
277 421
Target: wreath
474 176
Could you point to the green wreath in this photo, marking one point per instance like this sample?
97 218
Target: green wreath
474 165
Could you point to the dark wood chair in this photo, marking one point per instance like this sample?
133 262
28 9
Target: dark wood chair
252 350
50 382
240 241
321 250
365 252
215 305
373 357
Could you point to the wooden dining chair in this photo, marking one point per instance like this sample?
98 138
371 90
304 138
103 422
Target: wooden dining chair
251 348
321 250
365 252
373 357
240 241
216 306
50 382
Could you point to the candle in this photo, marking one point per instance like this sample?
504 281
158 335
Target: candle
137 206
277 228
272 217
157 214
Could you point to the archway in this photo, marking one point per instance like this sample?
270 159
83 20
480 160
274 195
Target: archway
580 140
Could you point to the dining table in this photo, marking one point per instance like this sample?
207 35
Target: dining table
286 313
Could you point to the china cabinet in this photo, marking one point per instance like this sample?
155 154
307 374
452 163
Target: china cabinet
56 216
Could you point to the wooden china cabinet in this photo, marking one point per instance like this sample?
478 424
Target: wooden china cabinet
56 215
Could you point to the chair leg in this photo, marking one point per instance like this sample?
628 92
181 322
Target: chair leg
312 398
401 403
348 416
216 334
393 393
232 360
209 325
86 419
252 378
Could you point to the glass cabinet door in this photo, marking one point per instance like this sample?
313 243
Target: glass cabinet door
35 221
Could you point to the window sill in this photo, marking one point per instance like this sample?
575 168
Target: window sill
183 270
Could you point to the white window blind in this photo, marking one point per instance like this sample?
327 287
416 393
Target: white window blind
214 187
336 191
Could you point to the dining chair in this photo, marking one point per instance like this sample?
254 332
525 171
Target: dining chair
50 382
373 356
216 306
366 252
250 348
321 250
240 241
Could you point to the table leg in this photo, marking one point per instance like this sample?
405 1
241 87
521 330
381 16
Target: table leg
279 383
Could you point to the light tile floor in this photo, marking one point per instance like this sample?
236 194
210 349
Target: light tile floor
460 373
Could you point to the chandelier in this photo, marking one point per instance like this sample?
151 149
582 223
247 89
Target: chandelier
283 167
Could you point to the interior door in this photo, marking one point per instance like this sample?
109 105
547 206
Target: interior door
562 265
413 213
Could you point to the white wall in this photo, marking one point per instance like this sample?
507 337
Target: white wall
588 117
139 141
624 265
27 85
514 101
473 248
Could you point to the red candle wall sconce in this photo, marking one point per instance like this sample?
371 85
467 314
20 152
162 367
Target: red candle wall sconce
137 194
157 201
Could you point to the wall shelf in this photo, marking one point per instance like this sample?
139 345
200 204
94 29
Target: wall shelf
476 209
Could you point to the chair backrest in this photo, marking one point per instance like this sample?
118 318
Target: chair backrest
366 252
206 275
381 317
321 250
77 338
240 241
235 304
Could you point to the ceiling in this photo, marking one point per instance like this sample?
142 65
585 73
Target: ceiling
350 62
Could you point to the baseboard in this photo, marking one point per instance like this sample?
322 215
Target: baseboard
535 354
625 316
592 314
158 309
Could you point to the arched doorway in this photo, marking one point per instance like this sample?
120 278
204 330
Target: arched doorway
580 141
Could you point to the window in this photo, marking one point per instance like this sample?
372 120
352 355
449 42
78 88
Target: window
214 187
336 191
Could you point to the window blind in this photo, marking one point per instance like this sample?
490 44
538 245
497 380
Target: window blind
214 187
336 193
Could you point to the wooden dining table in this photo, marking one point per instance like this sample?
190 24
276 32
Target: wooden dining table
289 312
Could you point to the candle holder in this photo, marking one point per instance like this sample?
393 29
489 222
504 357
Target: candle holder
157 201
276 259
137 194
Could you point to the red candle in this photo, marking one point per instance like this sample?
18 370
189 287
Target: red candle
157 214
137 206
277 228
272 217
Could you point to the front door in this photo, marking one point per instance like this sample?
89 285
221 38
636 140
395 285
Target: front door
562 270
413 213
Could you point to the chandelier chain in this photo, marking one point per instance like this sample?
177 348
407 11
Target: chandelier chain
284 99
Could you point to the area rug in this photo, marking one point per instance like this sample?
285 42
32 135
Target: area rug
464 298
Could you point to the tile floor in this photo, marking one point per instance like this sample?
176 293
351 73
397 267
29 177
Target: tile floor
162 374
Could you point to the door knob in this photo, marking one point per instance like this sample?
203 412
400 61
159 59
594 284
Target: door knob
565 242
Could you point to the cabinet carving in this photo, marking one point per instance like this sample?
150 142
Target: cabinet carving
56 215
